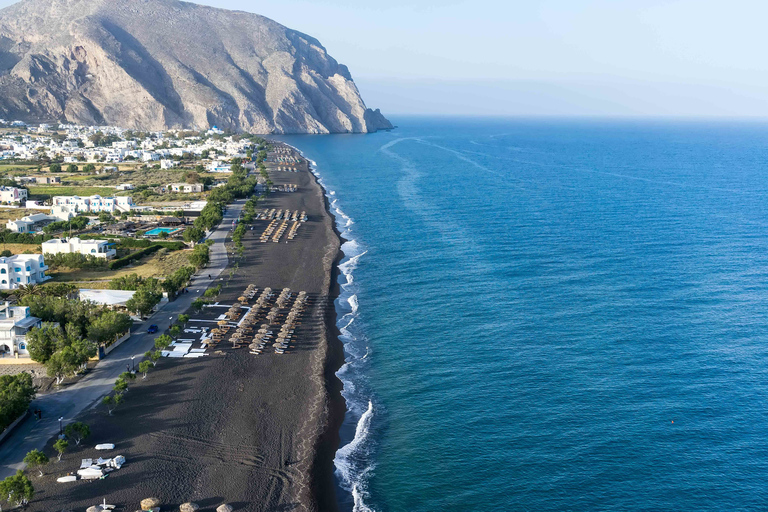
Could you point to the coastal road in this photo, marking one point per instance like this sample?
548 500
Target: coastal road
69 402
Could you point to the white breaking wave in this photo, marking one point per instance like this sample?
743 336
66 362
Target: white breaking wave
347 462
351 461
353 303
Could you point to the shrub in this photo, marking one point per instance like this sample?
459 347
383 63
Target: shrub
16 393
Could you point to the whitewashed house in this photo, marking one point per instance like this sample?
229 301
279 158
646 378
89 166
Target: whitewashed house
22 269
186 188
97 248
12 195
63 212
15 323
95 204
30 223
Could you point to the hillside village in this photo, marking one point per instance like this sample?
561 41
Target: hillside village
156 197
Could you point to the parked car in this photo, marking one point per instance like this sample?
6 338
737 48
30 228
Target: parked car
152 329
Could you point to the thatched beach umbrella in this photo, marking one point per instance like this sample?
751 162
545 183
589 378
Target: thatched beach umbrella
150 503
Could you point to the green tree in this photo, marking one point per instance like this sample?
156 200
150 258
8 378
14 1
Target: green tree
55 168
16 393
163 342
126 282
120 387
106 218
175 330
193 234
109 326
112 401
153 356
36 460
77 431
61 446
61 363
17 489
71 168
42 342
144 367
89 168
144 300
200 256
183 319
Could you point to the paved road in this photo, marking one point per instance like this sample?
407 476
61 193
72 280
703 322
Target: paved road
71 401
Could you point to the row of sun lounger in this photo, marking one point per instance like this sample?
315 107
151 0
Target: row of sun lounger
287 159
285 335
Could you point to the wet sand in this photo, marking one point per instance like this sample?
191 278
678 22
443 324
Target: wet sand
257 432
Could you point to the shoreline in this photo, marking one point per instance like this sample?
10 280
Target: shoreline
273 420
322 476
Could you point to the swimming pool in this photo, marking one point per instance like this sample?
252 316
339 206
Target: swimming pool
157 231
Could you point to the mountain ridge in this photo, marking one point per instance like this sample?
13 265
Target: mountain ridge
159 64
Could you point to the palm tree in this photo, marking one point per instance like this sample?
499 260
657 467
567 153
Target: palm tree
28 289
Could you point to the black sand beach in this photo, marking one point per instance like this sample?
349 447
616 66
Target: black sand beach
256 431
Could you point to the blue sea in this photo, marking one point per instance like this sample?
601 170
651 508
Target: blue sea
552 315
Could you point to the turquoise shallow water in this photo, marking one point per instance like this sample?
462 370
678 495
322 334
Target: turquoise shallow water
552 315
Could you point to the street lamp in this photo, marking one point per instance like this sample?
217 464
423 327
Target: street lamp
61 429
133 363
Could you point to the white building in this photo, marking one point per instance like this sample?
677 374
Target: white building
96 203
168 164
217 166
63 212
12 195
30 223
186 188
22 269
97 248
124 186
15 323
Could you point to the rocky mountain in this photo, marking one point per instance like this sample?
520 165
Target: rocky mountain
157 64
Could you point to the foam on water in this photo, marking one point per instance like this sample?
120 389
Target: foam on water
352 461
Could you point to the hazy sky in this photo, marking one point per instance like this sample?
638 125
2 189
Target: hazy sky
552 57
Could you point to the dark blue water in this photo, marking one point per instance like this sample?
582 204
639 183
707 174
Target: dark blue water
553 315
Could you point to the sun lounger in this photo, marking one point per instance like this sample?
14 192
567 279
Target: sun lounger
68 478
86 463
105 446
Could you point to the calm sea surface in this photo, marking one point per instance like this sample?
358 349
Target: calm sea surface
552 315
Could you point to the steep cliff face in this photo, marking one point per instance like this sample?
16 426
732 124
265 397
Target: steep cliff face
157 64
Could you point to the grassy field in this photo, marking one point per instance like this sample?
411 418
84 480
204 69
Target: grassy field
7 214
8 167
54 190
158 265
21 248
